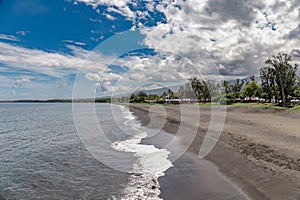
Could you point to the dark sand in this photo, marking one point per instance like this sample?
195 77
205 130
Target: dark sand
192 178
258 150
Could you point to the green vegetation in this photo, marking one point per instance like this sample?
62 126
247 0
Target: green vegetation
279 78
227 99
139 98
279 86
252 90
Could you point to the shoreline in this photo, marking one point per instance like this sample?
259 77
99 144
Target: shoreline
260 170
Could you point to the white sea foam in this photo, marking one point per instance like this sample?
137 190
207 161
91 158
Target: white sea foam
150 165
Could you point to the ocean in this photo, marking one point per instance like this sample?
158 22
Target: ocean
43 155
98 151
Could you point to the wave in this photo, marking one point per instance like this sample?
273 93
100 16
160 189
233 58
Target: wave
151 162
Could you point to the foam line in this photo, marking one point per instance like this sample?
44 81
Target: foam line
151 162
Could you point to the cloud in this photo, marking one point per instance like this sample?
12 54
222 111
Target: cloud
74 42
8 37
296 53
18 83
210 38
150 86
165 69
121 7
243 11
236 34
132 10
110 17
51 63
23 33
295 33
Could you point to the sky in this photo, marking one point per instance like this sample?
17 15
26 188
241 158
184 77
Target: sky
85 48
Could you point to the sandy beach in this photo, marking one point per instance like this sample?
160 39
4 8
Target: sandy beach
258 150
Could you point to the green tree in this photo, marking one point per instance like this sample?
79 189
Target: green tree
201 89
186 91
227 99
170 93
214 88
252 89
153 97
268 83
196 86
236 87
139 97
227 88
132 97
285 74
164 95
297 88
205 92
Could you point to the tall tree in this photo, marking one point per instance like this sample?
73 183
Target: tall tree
227 87
214 88
268 83
189 91
285 74
205 92
297 88
170 93
237 86
201 89
196 86
186 91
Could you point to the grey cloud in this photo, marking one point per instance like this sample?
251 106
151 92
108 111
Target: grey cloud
101 87
295 33
234 68
247 64
239 10
296 53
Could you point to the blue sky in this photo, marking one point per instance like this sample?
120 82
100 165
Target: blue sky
117 46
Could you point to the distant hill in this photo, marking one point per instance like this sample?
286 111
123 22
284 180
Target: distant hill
160 91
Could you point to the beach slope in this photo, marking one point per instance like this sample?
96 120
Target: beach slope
259 149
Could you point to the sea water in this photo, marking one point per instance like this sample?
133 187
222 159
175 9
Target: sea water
151 162
42 155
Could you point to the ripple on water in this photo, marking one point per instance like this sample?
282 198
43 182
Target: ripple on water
42 157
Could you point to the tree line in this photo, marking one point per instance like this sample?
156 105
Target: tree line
279 83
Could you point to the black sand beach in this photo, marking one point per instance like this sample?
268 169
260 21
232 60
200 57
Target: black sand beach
259 166
193 178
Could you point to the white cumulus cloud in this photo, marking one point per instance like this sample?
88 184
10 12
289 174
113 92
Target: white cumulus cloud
237 34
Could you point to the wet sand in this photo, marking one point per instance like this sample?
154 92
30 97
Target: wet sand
192 178
259 149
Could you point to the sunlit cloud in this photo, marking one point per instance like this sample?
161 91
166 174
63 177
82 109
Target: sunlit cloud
238 35
8 37
51 63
